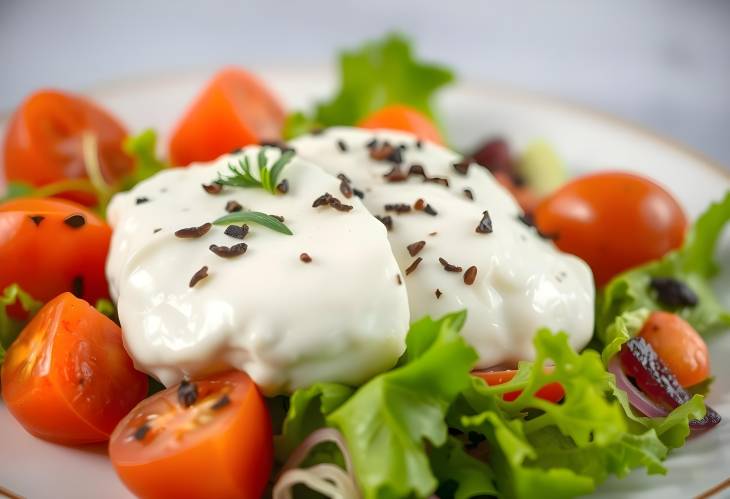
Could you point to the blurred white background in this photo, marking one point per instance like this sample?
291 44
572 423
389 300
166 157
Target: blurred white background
662 63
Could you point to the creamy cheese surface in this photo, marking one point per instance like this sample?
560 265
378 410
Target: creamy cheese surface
522 281
341 317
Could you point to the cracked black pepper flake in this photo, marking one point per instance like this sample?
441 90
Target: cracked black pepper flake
233 206
187 393
278 144
398 279
430 210
156 230
470 275
283 186
415 248
414 265
199 276
382 152
345 188
37 219
328 199
395 175
528 221
341 145
396 156
77 286
305 258
75 221
236 231
386 220
222 402
141 432
449 267
468 193
358 193
193 232
417 170
419 204
142 200
485 224
278 217
462 167
419 144
371 143
437 180
673 292
229 251
213 188
398 207
344 177
438 293
432 233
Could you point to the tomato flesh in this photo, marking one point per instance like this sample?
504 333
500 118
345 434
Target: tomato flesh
405 119
234 110
216 444
67 377
552 392
678 346
44 137
613 220
47 252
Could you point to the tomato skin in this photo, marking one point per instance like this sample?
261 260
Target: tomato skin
67 378
50 257
234 110
228 456
552 392
43 140
613 220
405 119
679 346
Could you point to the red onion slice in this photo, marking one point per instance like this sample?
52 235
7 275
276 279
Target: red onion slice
637 399
327 479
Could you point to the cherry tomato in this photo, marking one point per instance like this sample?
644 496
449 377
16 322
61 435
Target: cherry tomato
234 110
679 346
404 118
67 377
44 137
614 221
552 392
49 246
202 439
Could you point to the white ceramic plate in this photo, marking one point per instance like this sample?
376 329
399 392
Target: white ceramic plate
587 140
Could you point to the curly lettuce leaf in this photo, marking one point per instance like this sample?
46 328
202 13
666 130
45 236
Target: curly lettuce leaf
624 327
460 475
372 76
694 264
393 414
11 327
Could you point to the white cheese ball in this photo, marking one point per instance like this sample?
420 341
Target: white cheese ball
341 317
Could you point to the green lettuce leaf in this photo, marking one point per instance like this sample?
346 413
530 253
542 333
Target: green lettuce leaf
694 264
10 327
143 149
375 75
624 327
460 475
393 414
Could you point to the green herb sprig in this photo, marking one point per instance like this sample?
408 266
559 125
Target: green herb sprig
268 175
256 217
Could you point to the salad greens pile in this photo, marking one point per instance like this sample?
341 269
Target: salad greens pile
375 75
429 427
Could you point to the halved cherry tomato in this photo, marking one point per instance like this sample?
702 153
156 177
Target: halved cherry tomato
613 221
552 392
202 439
49 246
67 377
234 110
44 137
679 346
403 118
